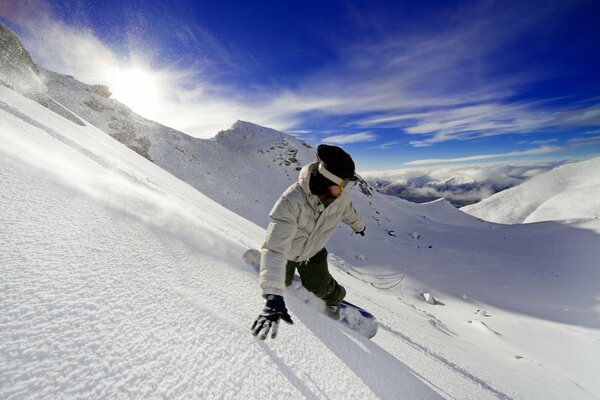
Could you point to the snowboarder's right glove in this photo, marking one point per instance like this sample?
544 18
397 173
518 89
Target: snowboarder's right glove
268 320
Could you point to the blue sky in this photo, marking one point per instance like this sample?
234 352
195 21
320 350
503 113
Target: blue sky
398 84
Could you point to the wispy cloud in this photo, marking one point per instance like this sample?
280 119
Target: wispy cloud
182 98
434 85
499 120
410 71
537 151
390 144
538 142
578 142
351 138
445 84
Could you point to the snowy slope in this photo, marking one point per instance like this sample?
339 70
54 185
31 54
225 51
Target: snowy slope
223 168
121 280
567 193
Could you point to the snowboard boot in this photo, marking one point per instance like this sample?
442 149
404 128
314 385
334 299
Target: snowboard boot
333 311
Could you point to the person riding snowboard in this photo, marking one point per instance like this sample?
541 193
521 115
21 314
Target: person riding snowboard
302 222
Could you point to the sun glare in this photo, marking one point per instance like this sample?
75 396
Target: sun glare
138 89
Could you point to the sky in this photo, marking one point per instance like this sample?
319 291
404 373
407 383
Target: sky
397 84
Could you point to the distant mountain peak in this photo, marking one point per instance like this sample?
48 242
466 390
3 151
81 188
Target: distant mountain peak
239 124
244 130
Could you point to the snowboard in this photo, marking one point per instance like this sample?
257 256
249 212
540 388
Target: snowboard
352 316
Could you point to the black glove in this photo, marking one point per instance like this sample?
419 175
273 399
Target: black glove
269 318
362 233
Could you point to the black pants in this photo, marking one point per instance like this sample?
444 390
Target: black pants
316 278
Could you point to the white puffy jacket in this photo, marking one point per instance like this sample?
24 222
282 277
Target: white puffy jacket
300 227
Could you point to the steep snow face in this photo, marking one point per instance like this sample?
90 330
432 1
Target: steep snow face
568 193
119 280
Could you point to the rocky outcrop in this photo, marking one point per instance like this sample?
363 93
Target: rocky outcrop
17 69
101 90
66 96
20 73
93 103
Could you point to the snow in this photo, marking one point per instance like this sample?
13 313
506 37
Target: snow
567 193
121 280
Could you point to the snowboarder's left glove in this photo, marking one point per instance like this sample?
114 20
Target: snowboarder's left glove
362 233
268 320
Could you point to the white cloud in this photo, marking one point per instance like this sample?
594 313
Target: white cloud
434 84
183 99
537 151
538 142
499 173
460 184
350 138
298 132
441 84
585 141
203 108
389 144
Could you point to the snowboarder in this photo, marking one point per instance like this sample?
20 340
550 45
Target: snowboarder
302 222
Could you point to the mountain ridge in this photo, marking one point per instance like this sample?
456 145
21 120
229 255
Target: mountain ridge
567 193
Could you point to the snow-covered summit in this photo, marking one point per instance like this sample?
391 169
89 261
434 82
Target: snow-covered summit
248 132
568 193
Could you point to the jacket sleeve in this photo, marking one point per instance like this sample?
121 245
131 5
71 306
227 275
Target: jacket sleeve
352 218
281 232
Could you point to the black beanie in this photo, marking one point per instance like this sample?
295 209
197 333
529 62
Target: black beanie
336 161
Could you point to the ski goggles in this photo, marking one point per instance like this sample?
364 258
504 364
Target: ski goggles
345 184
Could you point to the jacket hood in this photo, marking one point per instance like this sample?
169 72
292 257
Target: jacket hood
304 177
304 182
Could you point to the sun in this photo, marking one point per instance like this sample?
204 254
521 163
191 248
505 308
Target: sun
138 89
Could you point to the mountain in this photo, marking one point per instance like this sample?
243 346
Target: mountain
119 279
19 72
568 193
